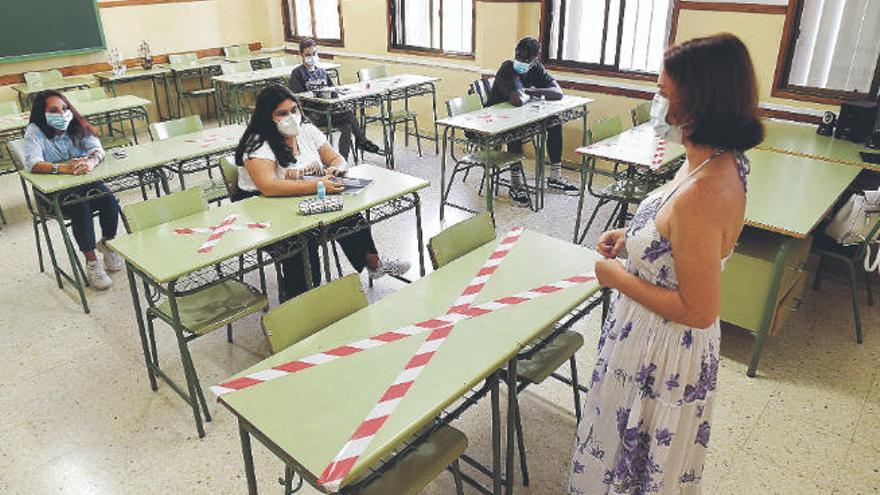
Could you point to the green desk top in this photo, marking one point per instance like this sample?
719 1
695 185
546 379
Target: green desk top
65 83
254 76
310 415
147 250
133 74
790 194
249 57
202 63
144 156
505 117
634 146
376 87
14 122
328 65
801 139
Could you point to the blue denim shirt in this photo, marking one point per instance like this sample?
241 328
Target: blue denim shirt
39 148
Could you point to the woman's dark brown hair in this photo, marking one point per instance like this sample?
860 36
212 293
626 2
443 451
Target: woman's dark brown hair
79 127
717 101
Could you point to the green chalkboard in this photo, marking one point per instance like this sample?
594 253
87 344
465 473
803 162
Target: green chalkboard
48 28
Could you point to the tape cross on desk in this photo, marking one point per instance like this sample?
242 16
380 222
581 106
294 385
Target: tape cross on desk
217 232
440 327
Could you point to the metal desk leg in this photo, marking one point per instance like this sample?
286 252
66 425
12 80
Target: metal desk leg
71 254
443 197
420 234
496 436
192 380
248 456
490 180
49 246
388 134
325 252
139 316
434 110
179 87
539 170
509 474
582 191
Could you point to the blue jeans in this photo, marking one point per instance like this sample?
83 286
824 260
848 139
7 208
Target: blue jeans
80 215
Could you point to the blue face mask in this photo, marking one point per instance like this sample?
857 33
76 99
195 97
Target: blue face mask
521 67
311 60
59 121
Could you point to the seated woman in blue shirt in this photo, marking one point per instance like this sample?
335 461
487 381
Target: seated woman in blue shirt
282 154
58 140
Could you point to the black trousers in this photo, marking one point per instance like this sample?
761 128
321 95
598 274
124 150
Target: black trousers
348 126
292 274
554 144
80 215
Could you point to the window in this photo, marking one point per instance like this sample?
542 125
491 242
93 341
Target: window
833 48
318 19
433 26
623 36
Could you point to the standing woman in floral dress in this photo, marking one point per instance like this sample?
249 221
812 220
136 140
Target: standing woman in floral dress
648 414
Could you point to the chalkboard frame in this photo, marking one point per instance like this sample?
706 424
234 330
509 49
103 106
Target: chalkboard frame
63 53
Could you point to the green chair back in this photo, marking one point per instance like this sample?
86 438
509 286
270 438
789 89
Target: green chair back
370 73
146 214
313 311
43 77
463 104
641 113
230 174
183 58
78 96
9 107
17 153
282 61
604 129
460 239
236 68
160 131
237 51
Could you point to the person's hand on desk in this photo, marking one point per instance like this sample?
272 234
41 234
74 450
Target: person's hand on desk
611 243
335 171
331 186
76 166
609 273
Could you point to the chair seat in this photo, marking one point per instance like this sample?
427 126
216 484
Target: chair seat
115 141
418 467
214 189
823 244
216 306
200 92
6 167
496 157
626 190
547 360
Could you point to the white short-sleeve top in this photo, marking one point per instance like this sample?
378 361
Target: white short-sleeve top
310 139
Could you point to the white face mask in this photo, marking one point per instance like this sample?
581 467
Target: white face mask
311 60
667 131
289 126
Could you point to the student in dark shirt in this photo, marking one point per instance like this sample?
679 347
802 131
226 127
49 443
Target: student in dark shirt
519 81
310 77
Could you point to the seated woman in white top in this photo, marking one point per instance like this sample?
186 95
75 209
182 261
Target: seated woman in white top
58 140
278 151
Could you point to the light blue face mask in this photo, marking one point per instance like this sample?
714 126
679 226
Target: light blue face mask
59 121
311 60
667 131
521 67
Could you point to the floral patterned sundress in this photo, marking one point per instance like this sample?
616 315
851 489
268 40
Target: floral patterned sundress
647 416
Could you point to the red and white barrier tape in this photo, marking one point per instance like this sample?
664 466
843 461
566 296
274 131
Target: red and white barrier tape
659 152
467 296
219 231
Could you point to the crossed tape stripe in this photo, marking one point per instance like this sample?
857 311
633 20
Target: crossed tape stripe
659 153
345 460
217 232
467 296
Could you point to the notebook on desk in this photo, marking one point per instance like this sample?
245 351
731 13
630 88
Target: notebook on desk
353 185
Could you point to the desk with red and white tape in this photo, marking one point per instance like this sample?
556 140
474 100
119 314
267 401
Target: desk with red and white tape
439 327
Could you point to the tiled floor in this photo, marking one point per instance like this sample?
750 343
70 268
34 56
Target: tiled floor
78 415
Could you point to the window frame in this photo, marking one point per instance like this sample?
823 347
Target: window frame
781 87
430 52
289 16
597 69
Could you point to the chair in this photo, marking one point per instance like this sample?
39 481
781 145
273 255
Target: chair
201 310
114 138
641 113
230 175
235 68
552 347
202 91
6 165
17 154
853 255
420 462
482 88
282 61
394 117
213 190
492 161
43 77
80 96
237 51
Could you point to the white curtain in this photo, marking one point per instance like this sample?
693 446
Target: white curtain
327 19
458 18
838 45
303 18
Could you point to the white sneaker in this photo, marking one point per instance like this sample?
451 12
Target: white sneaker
112 261
393 267
96 275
